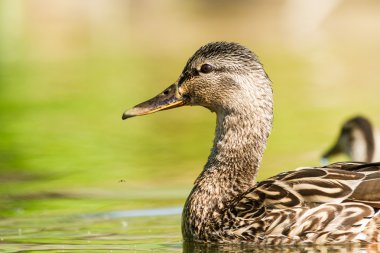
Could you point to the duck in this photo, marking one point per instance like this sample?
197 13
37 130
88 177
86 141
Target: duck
336 203
358 140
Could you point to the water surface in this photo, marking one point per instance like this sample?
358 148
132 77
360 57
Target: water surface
142 230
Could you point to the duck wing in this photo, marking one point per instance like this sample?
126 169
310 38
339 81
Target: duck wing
334 203
368 190
310 186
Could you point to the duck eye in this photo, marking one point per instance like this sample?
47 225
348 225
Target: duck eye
206 68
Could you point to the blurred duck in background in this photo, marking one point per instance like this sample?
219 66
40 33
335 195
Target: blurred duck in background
358 139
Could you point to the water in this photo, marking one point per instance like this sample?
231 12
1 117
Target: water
142 230
134 230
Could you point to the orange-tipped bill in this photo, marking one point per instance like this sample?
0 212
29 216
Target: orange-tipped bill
169 98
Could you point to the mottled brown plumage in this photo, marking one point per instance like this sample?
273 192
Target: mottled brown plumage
331 204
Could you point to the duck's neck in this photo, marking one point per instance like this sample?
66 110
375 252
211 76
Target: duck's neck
231 169
240 140
363 146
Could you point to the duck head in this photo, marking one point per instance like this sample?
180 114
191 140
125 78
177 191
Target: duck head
220 76
356 140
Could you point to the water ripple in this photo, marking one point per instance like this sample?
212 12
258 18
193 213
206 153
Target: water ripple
136 213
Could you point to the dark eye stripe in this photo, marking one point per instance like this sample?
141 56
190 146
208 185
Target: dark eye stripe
185 76
188 74
194 72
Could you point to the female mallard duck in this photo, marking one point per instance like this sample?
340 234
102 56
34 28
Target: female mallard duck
358 140
331 204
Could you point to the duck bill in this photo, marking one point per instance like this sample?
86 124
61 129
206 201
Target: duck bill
168 99
331 152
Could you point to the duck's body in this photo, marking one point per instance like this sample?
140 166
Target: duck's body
308 205
358 139
336 203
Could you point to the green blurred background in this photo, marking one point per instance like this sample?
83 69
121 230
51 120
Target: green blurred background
68 69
